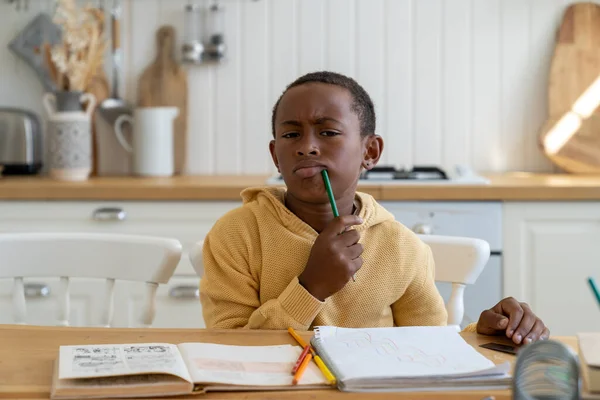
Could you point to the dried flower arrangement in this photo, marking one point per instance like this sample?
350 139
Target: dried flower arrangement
75 61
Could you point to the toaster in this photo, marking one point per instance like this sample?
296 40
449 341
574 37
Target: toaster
20 142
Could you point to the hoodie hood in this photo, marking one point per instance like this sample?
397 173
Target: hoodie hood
273 199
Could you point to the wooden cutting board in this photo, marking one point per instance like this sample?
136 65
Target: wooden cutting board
164 83
570 137
100 88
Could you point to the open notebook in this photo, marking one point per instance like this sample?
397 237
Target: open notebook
163 369
407 358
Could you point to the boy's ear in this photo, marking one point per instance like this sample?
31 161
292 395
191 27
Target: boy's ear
273 155
372 151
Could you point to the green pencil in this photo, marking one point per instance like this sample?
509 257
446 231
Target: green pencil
332 201
330 193
594 289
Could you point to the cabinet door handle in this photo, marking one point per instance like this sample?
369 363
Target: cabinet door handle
109 214
185 292
422 229
36 290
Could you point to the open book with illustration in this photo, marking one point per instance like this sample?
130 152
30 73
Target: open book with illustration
406 358
162 369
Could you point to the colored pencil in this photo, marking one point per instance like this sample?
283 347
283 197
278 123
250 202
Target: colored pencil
300 359
334 209
594 289
302 368
324 370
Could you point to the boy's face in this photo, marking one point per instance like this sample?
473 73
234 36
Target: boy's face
316 129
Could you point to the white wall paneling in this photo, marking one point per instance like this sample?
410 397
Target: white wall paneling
453 81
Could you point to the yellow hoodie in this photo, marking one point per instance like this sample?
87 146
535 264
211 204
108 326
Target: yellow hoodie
254 254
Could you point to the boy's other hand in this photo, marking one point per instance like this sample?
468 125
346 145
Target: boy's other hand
334 258
514 319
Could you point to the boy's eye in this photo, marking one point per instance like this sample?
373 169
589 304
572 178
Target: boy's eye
329 133
289 135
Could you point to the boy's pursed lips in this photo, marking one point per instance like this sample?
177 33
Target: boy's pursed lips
308 168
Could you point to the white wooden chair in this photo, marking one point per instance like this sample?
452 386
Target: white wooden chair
88 255
459 261
195 256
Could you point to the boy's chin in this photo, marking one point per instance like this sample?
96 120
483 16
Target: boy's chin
308 190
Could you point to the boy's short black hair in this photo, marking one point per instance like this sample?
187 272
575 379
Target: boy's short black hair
362 106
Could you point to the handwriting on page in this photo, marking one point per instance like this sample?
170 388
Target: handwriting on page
119 358
142 357
385 346
97 359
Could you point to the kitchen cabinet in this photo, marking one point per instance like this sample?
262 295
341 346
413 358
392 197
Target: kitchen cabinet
177 302
550 249
41 294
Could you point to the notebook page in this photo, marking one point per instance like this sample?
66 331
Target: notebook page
589 345
398 352
103 360
246 365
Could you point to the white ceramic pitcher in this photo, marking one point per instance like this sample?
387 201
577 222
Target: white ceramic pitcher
152 143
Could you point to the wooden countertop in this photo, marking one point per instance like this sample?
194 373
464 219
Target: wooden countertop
28 354
503 187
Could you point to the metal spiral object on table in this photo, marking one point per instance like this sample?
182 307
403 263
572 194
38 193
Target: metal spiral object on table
546 369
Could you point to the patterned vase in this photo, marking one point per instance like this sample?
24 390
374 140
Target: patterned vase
69 139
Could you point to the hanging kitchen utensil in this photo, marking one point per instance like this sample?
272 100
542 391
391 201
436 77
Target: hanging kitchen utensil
164 83
29 42
113 107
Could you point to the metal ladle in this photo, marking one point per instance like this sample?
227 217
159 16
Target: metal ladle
113 107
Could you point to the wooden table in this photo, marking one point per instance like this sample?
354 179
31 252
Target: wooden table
27 354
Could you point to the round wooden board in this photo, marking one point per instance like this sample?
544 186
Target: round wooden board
575 67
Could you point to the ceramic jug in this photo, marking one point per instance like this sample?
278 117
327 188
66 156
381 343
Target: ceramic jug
152 140
69 135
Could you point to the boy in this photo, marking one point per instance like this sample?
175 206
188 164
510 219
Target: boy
281 259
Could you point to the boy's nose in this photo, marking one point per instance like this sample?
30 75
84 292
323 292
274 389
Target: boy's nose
313 151
307 146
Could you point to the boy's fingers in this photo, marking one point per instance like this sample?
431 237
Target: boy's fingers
490 323
355 251
349 238
535 333
513 310
356 264
526 325
340 224
545 334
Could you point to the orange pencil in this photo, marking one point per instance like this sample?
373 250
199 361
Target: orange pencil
300 359
302 368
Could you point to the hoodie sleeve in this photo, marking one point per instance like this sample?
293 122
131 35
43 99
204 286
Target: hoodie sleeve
421 304
229 288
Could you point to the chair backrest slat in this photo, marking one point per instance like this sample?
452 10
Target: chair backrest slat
18 301
109 301
64 301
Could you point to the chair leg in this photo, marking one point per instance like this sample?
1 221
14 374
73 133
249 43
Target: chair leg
149 307
456 304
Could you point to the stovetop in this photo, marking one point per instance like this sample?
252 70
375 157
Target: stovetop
390 175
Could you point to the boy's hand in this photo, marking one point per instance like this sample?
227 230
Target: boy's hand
334 258
514 319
